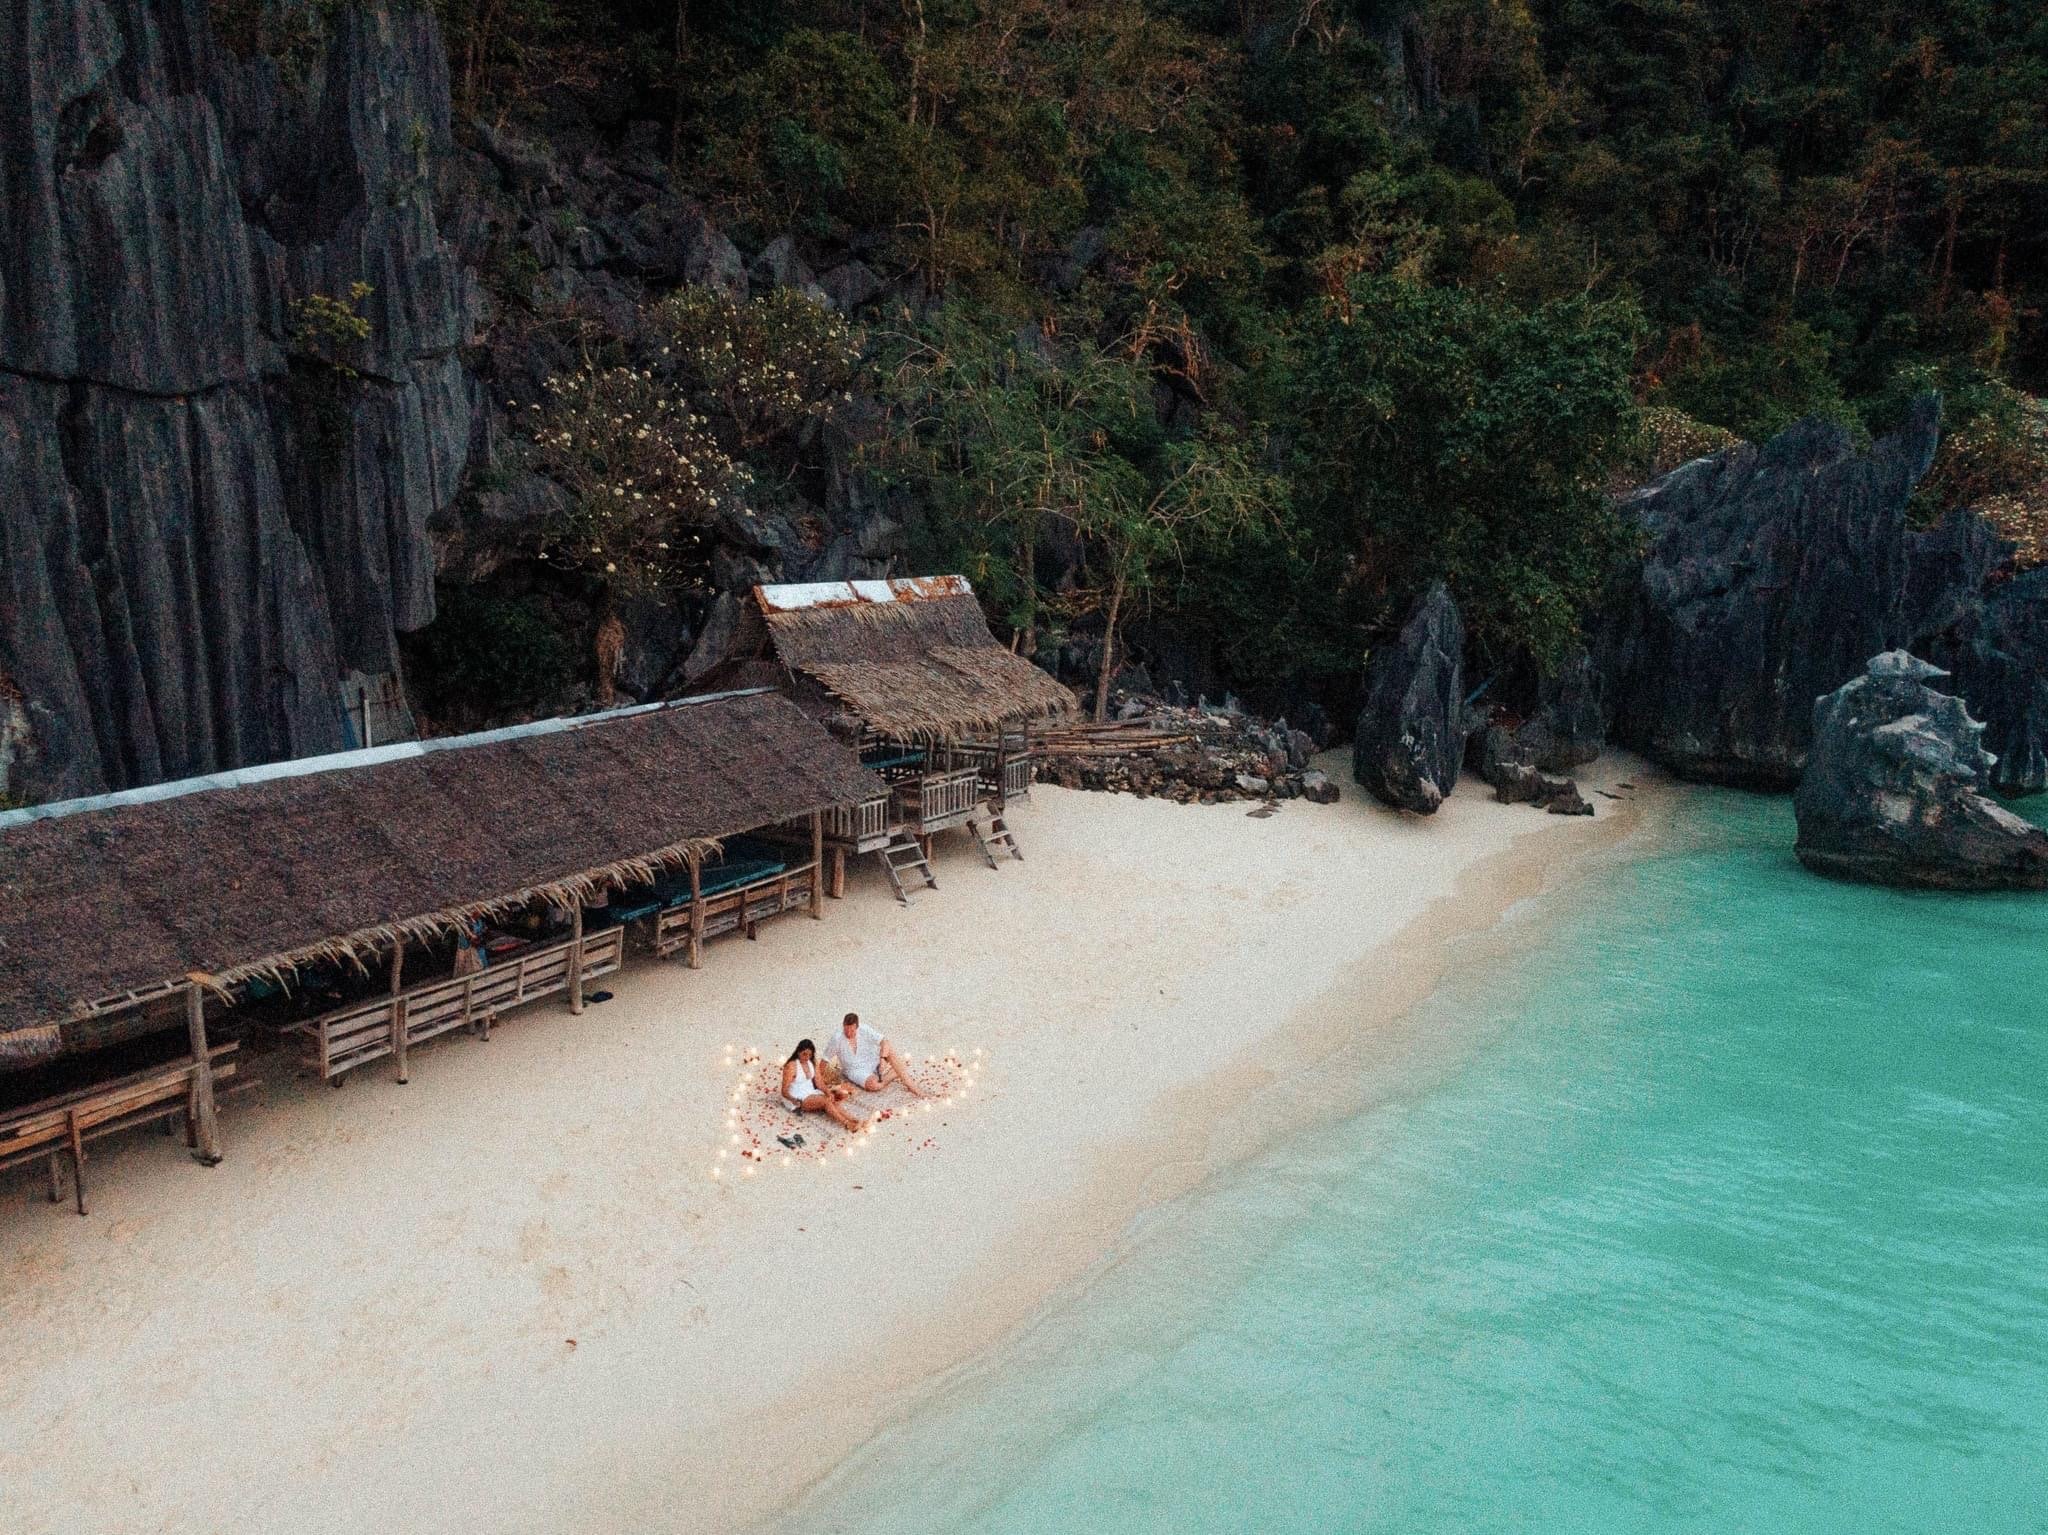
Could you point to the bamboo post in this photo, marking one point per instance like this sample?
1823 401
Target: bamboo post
818 864
208 1151
77 1157
576 957
398 1029
837 888
694 955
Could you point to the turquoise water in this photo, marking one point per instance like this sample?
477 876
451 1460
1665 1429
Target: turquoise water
1722 1206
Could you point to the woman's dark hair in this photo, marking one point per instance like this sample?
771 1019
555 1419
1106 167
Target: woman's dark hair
801 1046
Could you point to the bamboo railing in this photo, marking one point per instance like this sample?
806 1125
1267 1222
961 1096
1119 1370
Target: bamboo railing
352 1036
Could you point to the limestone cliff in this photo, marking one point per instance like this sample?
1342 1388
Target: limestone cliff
194 551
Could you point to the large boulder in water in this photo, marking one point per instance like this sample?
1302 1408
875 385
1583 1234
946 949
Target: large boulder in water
1770 574
1411 730
1893 792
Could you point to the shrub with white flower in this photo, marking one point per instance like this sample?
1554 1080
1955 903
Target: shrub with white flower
762 368
645 477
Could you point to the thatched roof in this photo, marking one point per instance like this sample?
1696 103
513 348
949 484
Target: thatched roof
223 883
912 659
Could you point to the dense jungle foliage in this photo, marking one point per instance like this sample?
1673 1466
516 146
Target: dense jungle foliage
1261 313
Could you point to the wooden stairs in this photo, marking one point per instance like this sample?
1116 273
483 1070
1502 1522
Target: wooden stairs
999 837
904 857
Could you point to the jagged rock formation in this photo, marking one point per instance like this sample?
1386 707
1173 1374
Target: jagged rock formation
1565 732
1771 573
1516 783
193 550
1993 643
221 504
1771 569
1411 729
1996 652
1570 727
1948 568
1893 791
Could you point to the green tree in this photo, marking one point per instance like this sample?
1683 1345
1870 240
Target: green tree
1442 434
1017 438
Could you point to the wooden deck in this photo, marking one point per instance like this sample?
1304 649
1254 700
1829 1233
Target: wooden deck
937 801
740 909
863 828
59 1127
1005 772
353 1036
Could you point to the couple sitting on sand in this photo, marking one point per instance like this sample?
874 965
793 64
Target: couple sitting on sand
864 1060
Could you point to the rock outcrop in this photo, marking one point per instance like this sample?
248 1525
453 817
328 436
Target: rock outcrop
1411 728
251 369
1199 754
194 551
1997 655
1504 754
1569 729
1516 783
1771 573
1893 791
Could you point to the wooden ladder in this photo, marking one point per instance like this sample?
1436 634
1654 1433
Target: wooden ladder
905 856
999 836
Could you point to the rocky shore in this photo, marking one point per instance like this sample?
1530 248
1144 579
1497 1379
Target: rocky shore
1193 754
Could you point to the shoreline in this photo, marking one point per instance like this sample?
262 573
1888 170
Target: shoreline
1374 993
508 1297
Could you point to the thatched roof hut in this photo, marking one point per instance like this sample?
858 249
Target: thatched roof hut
912 660
253 873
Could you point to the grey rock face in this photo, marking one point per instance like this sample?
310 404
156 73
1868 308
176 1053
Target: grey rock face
655 637
1517 783
1893 791
192 556
850 285
721 624
1411 729
1771 574
713 261
1570 727
779 266
1948 568
1997 654
158 615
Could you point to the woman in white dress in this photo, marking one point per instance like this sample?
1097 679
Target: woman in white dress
801 1092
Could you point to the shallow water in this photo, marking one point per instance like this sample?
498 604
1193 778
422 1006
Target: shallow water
1720 1203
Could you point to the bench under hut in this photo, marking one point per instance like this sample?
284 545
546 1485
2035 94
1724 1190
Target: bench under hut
906 671
130 914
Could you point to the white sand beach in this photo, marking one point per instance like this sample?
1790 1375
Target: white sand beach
511 1296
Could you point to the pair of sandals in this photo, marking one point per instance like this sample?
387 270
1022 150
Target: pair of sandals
792 1141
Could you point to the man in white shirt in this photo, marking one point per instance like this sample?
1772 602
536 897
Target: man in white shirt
863 1056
